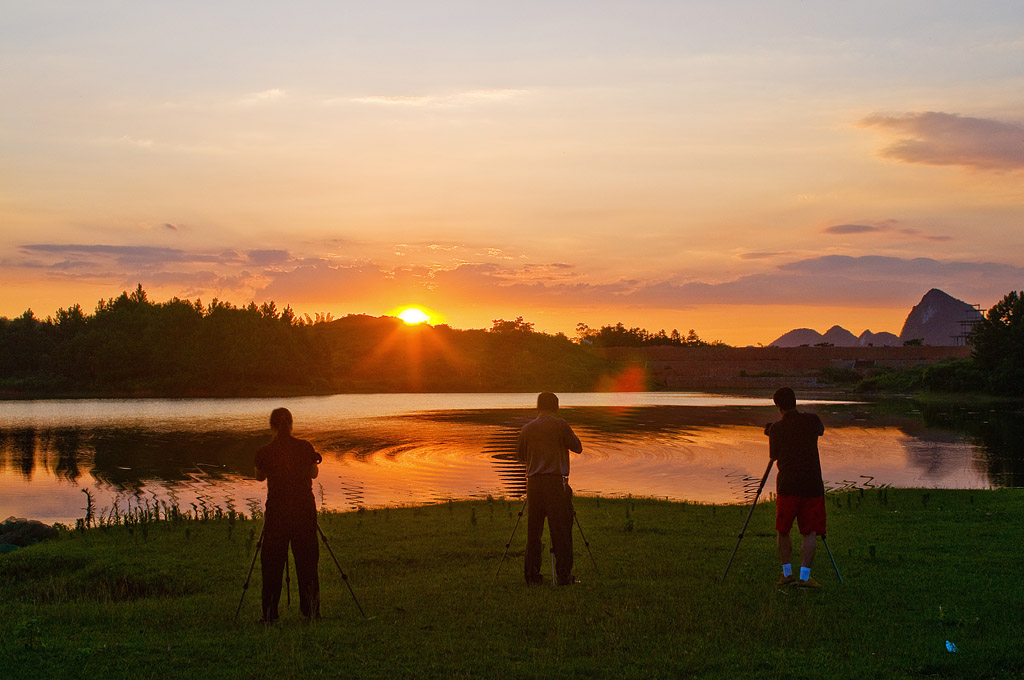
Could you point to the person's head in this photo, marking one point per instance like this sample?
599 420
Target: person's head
547 401
281 421
785 398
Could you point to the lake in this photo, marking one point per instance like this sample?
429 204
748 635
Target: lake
402 449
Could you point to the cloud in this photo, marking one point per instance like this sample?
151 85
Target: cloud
123 254
935 138
453 99
263 97
142 259
833 280
766 255
890 226
264 258
850 229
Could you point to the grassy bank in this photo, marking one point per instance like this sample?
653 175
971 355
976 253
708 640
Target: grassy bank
157 600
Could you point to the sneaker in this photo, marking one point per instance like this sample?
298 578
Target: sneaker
809 583
785 580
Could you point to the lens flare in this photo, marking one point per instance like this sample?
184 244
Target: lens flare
413 315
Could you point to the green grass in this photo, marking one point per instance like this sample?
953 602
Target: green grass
921 567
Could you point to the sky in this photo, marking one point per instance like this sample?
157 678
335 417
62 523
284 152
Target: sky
737 167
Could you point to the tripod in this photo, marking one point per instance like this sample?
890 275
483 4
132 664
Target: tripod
323 537
576 518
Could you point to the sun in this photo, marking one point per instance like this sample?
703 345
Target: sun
413 315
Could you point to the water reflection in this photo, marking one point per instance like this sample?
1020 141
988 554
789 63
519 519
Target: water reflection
712 451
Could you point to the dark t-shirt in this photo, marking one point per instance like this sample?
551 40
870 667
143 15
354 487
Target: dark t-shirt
544 445
286 461
793 444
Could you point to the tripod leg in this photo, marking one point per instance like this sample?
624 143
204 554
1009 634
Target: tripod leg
509 542
288 579
245 586
834 565
585 541
753 505
344 576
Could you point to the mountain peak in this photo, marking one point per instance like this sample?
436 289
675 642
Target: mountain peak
939 319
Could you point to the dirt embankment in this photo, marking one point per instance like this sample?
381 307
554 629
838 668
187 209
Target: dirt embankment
763 367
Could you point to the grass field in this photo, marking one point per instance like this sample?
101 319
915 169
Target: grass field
156 600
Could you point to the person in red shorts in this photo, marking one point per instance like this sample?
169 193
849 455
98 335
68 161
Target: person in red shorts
800 493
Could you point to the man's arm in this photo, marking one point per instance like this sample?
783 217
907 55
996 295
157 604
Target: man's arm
521 447
572 442
314 470
260 475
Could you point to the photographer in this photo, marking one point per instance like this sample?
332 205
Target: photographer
289 465
544 445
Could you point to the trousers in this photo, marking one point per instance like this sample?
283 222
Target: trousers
299 531
548 497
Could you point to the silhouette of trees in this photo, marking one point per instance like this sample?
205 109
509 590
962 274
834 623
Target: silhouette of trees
997 342
620 336
133 346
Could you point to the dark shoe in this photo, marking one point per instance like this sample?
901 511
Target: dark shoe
534 580
568 581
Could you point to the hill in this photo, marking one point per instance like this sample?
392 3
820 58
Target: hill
938 319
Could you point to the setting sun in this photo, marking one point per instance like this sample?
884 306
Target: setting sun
413 315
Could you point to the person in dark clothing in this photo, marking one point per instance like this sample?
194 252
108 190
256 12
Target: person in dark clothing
544 445
289 465
800 493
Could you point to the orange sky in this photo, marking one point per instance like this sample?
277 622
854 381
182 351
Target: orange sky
737 168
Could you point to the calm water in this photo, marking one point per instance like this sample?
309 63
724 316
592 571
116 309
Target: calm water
399 449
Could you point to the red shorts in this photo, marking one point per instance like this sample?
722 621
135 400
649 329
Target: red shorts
808 511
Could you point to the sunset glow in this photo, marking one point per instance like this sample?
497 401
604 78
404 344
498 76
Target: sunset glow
741 169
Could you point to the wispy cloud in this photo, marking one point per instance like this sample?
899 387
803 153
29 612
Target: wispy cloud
851 229
823 281
263 97
889 226
465 98
935 138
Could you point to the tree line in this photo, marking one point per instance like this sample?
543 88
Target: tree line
133 346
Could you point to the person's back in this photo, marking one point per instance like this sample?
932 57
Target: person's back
793 442
286 463
544 445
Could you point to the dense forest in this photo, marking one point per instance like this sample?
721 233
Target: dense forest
132 346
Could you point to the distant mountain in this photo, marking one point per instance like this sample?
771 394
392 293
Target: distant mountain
840 337
836 336
798 337
883 339
938 319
